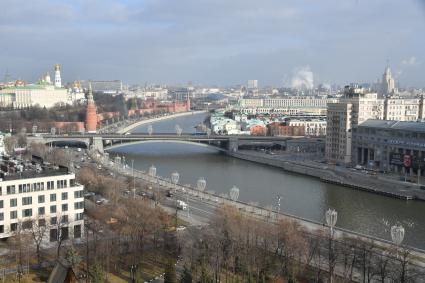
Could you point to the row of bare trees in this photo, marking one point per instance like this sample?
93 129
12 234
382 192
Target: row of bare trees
238 248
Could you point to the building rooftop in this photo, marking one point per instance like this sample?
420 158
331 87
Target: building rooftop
395 125
14 169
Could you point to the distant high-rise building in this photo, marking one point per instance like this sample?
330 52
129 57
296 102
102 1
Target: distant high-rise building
355 108
91 116
388 83
252 84
58 80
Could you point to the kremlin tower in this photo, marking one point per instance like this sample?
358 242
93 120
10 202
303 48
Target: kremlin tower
91 116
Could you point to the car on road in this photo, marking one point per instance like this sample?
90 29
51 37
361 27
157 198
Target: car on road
169 194
181 205
181 228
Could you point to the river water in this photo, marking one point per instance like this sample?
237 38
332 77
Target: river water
302 196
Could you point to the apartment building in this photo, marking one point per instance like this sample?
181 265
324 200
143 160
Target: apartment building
31 191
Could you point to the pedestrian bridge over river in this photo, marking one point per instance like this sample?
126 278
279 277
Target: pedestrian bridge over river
101 142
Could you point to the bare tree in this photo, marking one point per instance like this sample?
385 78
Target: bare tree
59 231
39 227
10 143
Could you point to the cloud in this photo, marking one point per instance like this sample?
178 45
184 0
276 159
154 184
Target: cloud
303 78
208 41
410 61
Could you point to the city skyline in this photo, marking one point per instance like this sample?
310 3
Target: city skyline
215 42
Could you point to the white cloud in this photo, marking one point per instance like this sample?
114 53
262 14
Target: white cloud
410 61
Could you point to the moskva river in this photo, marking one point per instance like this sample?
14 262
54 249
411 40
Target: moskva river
302 196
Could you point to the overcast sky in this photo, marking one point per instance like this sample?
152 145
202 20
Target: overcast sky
215 42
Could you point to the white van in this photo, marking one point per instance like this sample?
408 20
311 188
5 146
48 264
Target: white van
181 205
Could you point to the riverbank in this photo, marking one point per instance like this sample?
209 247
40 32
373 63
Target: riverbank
212 200
131 127
339 176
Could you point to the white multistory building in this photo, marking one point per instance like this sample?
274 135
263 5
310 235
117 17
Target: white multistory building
312 127
33 195
252 84
43 93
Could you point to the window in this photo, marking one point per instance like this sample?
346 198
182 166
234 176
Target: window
79 205
13 214
64 196
77 231
10 190
41 211
78 194
2 230
79 216
14 227
53 221
41 199
41 222
27 212
52 197
65 207
53 209
27 225
64 233
72 182
1 203
50 185
26 200
53 235
1 216
64 219
13 202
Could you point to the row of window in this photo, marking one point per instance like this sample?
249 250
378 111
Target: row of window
41 210
36 187
41 199
42 222
54 235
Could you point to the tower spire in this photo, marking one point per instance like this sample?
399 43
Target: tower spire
90 94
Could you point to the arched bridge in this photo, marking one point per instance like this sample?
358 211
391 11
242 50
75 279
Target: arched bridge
101 142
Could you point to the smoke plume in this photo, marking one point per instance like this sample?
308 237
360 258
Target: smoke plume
303 78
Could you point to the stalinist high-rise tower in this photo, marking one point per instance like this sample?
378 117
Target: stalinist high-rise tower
388 84
91 116
58 80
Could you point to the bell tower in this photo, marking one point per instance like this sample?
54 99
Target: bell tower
58 80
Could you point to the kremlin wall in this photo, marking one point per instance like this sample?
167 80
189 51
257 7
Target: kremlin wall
47 93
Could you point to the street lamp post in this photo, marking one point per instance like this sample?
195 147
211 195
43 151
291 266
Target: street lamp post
152 173
279 198
201 184
150 130
179 130
331 217
397 236
234 193
175 179
134 181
